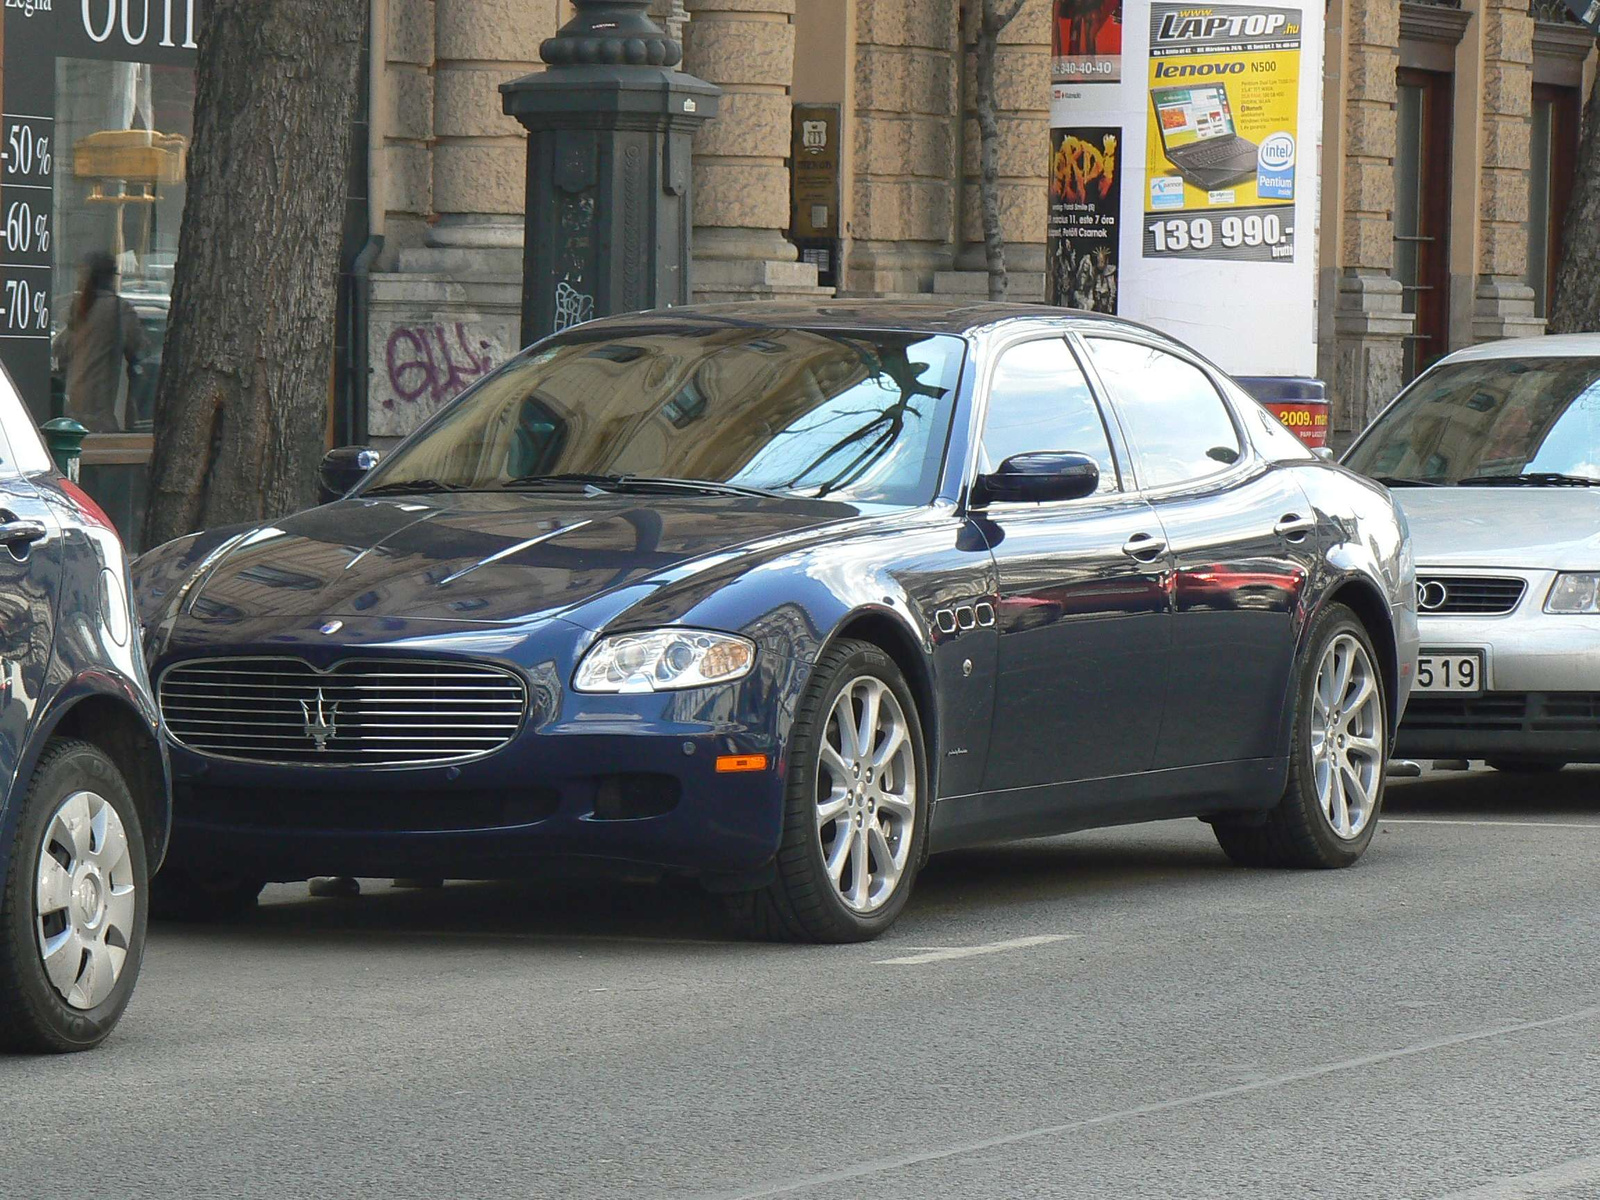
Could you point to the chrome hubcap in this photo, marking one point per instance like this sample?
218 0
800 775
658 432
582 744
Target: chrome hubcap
866 794
85 900
1347 737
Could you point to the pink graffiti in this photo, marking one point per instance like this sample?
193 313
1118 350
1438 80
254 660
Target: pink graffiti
435 362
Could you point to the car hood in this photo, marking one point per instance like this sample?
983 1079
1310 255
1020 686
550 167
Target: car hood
1555 528
484 557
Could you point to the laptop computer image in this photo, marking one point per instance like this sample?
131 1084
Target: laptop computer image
1198 137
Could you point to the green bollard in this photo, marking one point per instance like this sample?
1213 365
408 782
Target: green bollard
65 437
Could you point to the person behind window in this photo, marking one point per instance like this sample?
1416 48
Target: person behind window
102 334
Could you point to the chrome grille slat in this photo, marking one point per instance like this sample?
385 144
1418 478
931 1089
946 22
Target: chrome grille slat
367 712
1468 595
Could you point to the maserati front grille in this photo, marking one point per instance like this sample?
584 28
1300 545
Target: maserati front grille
363 712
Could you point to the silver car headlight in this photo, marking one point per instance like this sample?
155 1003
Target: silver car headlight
660 660
1574 592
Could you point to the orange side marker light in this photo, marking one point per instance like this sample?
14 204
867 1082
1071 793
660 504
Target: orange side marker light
729 763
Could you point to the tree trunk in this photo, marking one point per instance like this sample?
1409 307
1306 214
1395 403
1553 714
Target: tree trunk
992 21
1575 307
241 407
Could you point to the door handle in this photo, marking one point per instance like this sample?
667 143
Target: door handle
19 535
1294 527
1144 547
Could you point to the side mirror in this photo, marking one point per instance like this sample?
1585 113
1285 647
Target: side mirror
345 467
1326 454
1040 477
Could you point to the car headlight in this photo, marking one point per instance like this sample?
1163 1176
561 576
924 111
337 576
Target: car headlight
1574 592
662 660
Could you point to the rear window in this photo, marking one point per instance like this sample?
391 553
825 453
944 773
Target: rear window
1491 419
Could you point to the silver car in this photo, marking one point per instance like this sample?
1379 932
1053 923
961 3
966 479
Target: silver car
1494 455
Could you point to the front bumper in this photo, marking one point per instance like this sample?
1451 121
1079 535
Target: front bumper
1541 681
608 783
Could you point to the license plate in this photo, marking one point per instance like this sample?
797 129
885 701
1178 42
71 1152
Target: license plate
1450 671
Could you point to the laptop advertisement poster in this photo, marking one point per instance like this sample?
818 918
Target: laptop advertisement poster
1223 117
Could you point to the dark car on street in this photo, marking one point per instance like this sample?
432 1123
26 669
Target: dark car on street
785 599
84 797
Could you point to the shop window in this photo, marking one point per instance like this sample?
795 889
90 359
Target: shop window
122 134
1422 212
1552 160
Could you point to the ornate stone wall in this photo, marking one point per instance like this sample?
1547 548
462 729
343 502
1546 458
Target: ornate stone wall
1022 73
1503 303
1360 350
741 176
908 109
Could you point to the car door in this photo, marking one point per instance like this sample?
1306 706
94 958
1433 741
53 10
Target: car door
1243 540
1082 615
30 569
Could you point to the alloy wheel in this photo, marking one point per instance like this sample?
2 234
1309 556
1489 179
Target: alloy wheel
1347 736
85 902
866 794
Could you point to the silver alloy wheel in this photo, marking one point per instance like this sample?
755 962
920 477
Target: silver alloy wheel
866 794
85 902
1347 736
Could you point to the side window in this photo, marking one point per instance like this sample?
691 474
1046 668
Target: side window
21 450
1040 400
1177 422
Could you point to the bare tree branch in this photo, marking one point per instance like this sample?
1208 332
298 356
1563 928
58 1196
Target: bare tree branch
993 19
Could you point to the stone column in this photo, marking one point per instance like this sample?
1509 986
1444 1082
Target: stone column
741 181
1503 303
1363 362
446 301
1022 83
908 118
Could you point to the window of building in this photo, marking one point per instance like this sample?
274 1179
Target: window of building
1422 212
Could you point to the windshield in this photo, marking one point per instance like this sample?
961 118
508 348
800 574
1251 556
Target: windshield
1533 420
858 416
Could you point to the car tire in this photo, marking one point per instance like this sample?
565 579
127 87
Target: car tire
1338 758
874 866
1525 766
72 932
183 895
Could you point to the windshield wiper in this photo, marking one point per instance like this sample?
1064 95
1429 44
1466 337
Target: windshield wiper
414 487
1403 481
1529 479
625 483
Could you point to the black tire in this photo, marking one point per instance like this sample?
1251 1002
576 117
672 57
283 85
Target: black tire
1295 832
35 1018
802 904
1526 766
182 895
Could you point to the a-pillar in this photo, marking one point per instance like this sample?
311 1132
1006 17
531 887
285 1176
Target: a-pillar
741 203
1361 352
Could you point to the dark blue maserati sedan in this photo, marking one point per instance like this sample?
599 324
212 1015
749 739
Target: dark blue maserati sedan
84 799
785 599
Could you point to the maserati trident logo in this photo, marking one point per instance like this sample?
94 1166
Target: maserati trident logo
321 721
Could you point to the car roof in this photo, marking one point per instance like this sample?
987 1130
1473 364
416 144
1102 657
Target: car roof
1554 345
908 316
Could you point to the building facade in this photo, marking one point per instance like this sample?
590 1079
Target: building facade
1448 137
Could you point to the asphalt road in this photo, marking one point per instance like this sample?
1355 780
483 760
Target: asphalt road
1142 1021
